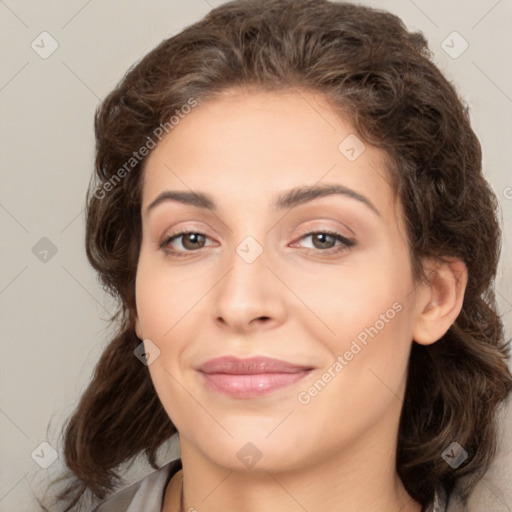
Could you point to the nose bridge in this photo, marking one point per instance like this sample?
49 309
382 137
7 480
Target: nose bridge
247 256
248 268
244 293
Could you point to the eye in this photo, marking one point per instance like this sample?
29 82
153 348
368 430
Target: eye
190 241
325 241
193 241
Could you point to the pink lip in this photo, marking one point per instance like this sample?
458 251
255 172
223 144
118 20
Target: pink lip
252 377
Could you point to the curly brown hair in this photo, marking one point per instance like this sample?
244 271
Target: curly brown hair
379 75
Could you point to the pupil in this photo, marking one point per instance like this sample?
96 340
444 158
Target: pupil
321 238
193 238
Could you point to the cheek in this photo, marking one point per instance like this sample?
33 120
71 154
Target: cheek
372 346
366 374
162 297
362 384
364 320
367 292
159 309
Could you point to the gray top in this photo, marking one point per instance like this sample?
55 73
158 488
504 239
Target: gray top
147 495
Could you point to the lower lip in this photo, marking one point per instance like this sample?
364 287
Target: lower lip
251 386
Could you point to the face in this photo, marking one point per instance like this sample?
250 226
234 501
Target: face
321 281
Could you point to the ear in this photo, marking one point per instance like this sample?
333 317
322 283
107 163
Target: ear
441 299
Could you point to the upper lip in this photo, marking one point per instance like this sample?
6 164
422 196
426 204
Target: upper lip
250 366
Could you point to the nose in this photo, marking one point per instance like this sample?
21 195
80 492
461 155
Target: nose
249 295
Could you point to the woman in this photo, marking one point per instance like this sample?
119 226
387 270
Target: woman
289 206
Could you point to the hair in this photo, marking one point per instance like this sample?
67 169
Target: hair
381 76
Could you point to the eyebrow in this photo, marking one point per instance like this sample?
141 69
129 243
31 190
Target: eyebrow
289 199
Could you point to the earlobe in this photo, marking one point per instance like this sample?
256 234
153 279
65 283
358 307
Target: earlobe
442 301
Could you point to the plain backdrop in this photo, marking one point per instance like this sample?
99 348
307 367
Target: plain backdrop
52 308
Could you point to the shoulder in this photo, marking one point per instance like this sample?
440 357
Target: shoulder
146 495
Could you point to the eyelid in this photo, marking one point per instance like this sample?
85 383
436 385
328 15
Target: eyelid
325 229
346 242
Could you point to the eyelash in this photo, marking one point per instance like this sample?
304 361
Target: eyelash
346 243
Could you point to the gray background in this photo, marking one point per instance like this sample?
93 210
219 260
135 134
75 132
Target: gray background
52 309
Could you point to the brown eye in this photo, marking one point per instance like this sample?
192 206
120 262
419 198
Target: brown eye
190 241
193 241
323 240
326 241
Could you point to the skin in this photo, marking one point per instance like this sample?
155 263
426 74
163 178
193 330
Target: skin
298 301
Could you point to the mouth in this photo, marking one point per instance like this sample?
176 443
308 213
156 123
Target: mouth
252 377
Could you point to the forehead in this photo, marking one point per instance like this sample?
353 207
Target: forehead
251 144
